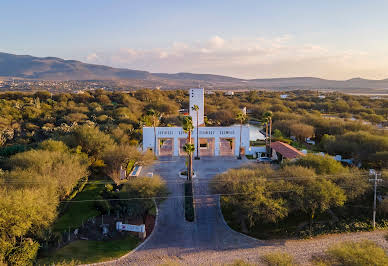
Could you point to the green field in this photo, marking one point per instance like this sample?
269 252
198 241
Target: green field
87 251
77 212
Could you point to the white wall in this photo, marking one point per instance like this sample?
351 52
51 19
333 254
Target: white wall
204 132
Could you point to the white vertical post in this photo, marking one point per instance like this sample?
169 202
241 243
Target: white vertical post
374 180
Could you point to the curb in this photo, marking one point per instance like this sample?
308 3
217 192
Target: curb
135 249
226 224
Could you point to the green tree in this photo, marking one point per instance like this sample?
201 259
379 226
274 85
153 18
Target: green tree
302 131
196 108
92 140
52 169
155 115
241 117
267 118
118 156
319 195
189 147
141 190
324 165
253 198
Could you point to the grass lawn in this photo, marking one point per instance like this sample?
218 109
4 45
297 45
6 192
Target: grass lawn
87 251
80 211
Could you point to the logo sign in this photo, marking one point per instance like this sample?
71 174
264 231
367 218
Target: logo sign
129 227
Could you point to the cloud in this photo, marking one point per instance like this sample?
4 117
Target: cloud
258 57
217 42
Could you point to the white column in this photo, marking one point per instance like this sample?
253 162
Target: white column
217 146
176 146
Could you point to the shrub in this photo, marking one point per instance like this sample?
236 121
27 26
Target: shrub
321 164
278 259
355 253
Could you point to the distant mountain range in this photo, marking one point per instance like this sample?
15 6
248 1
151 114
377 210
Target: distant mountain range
52 68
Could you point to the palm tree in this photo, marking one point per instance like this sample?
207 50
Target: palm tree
242 118
196 108
189 147
155 119
267 117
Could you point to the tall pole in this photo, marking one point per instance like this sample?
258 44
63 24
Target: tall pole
197 137
154 137
270 135
266 137
374 180
239 148
189 174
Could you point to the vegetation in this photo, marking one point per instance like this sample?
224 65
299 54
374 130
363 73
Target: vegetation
278 259
354 253
288 201
141 190
91 251
189 147
58 147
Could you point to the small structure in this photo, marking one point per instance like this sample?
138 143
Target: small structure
281 150
283 96
132 228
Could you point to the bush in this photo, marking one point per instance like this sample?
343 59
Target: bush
321 164
278 259
355 253
189 202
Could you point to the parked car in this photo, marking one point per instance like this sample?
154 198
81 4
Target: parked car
264 160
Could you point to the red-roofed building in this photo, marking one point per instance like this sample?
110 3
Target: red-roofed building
281 150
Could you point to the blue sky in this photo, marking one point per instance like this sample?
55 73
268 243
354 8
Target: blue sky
244 38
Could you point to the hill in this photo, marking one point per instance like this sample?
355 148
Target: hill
53 68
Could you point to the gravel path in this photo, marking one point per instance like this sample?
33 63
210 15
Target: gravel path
208 240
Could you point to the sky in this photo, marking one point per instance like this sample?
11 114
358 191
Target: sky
334 39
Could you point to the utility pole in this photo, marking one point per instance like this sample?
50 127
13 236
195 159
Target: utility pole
372 172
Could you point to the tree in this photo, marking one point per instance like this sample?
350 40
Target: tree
267 118
189 147
118 156
92 140
254 199
155 115
324 165
54 170
319 195
302 131
37 211
196 108
53 145
242 118
142 189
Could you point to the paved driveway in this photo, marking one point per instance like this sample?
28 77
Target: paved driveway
208 241
173 235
